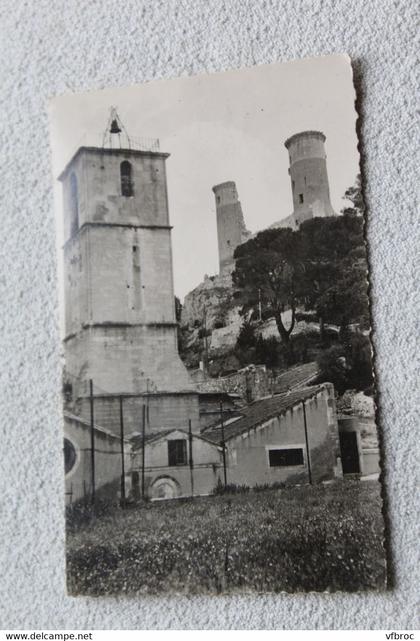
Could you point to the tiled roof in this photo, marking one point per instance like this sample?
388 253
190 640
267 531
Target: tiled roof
295 377
137 441
82 421
260 412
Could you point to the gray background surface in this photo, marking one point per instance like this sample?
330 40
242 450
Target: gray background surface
50 47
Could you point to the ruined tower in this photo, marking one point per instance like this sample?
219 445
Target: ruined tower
231 230
120 326
309 177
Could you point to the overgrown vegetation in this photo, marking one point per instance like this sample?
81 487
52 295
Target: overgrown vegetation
230 488
302 538
348 364
321 266
233 488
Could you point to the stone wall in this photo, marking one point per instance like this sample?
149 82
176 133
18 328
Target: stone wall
166 411
111 275
250 383
126 360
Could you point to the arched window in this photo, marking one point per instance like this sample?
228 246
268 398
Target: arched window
126 180
69 456
74 205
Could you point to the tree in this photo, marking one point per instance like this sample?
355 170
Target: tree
336 269
178 309
269 268
245 344
267 351
346 301
348 365
246 337
334 368
355 196
322 266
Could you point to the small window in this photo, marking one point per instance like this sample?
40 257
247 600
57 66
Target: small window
177 452
69 456
293 185
126 179
301 198
218 199
136 256
286 457
74 205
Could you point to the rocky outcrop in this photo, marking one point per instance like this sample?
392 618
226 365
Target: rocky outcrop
209 303
211 323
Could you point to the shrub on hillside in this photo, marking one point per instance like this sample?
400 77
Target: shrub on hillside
333 367
348 365
267 351
359 355
246 337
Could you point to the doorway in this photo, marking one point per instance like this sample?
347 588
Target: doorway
349 453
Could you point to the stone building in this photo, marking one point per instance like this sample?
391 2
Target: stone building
288 438
310 194
308 175
120 326
231 230
176 463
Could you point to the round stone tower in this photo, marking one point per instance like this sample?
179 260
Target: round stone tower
231 230
308 173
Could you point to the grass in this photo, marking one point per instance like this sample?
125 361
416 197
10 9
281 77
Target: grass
300 538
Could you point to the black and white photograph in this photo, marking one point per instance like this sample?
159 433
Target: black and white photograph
218 391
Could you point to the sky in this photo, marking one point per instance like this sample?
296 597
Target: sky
217 127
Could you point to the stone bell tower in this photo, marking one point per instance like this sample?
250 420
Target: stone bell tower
120 326
231 230
309 177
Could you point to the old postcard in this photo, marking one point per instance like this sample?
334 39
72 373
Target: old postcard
218 391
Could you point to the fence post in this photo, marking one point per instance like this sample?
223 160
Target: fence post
190 438
223 443
92 442
143 443
308 456
122 453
